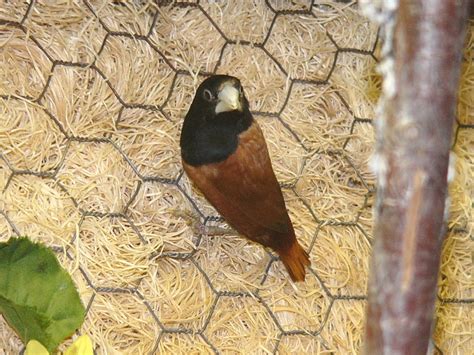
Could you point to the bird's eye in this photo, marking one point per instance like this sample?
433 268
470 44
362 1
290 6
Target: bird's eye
208 95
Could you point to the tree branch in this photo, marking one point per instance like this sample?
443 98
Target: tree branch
413 143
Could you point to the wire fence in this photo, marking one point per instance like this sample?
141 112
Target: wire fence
278 9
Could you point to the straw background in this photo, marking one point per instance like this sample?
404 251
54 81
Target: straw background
92 97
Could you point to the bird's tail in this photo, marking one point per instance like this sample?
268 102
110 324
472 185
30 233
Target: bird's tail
295 260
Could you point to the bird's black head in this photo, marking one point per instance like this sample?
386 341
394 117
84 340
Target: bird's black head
218 113
218 94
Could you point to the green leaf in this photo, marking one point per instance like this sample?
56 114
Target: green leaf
37 296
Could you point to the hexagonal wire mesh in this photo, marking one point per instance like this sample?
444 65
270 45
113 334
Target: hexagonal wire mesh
93 94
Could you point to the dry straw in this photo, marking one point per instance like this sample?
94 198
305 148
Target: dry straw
99 197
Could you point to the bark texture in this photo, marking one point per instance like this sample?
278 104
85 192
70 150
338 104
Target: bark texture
414 137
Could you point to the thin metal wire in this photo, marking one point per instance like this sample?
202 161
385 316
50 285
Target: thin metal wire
168 182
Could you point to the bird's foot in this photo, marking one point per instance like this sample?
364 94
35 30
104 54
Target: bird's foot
216 230
262 264
193 220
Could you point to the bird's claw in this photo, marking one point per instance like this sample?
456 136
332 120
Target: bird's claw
193 220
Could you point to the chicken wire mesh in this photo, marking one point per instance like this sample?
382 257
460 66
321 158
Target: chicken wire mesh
93 94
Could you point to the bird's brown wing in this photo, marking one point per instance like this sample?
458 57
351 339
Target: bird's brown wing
244 189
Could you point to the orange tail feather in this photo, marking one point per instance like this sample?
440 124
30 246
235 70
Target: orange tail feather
295 260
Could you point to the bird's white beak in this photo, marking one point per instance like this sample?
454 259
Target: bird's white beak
228 99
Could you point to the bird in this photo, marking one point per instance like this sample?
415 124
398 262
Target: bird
225 155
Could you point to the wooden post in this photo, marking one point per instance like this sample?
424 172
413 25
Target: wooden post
414 137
